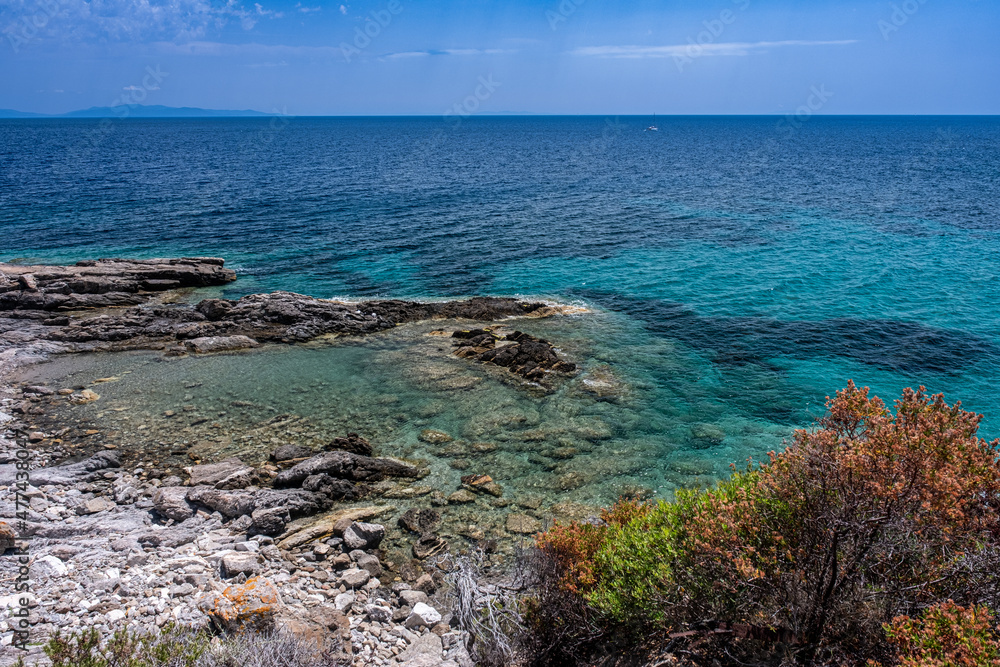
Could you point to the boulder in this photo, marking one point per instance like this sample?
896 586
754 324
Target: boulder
353 443
423 614
298 502
206 344
378 613
368 562
171 503
8 540
46 567
344 601
291 452
412 597
230 504
353 578
363 535
95 505
344 465
228 474
249 606
69 474
270 521
237 563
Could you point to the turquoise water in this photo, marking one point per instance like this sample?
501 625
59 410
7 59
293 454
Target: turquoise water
736 276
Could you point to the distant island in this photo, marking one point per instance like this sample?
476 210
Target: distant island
137 111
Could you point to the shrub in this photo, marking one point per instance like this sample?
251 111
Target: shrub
870 516
946 635
175 646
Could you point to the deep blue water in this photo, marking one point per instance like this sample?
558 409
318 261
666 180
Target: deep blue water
745 271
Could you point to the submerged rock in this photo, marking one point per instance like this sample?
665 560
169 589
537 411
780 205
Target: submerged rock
531 358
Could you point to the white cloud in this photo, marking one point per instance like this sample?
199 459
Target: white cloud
267 12
343 10
305 10
719 49
126 20
449 52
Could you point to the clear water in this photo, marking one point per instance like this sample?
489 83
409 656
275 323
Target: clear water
736 275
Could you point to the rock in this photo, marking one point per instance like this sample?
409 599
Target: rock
482 484
364 535
423 614
70 474
229 504
425 583
369 563
434 437
206 344
425 651
8 540
522 524
344 465
270 521
330 617
429 545
291 452
94 506
353 443
228 474
46 567
461 497
326 525
237 563
335 489
420 521
412 597
249 606
298 502
171 503
378 613
353 578
344 601
527 356
83 397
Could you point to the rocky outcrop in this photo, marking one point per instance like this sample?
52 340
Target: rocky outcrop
103 283
522 354
345 465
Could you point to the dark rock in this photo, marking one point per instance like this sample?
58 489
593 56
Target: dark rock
420 521
230 504
171 503
344 465
363 535
298 502
353 443
291 452
429 545
527 356
335 489
270 521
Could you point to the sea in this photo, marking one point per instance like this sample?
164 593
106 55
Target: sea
731 273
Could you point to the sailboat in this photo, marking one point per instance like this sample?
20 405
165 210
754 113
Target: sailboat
653 128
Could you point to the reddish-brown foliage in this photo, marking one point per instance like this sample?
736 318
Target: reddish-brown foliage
946 635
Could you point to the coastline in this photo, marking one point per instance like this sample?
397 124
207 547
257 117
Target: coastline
104 548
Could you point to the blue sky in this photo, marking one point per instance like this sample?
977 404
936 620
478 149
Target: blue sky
521 56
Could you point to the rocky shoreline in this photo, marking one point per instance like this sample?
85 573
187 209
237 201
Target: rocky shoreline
293 540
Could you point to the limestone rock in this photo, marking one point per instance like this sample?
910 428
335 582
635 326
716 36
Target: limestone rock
239 563
364 535
171 503
423 614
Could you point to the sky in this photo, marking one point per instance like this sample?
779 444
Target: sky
402 57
